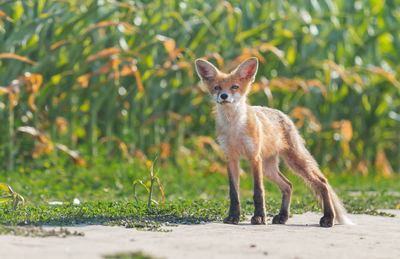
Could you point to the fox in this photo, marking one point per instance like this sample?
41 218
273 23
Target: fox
262 136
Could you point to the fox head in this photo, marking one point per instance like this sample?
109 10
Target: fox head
229 88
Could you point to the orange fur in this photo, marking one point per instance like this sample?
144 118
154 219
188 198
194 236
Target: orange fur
261 135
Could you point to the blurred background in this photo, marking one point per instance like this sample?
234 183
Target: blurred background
93 90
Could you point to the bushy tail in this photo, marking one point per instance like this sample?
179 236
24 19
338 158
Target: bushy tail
302 163
340 211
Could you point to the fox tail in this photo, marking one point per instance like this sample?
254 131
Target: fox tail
340 211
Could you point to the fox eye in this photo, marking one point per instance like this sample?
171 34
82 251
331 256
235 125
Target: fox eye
217 87
235 87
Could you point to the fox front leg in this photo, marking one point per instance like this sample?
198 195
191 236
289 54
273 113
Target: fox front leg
234 209
259 194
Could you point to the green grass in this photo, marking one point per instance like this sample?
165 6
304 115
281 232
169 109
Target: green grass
188 207
132 215
114 181
115 82
191 196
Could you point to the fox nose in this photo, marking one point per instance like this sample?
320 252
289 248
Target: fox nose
223 96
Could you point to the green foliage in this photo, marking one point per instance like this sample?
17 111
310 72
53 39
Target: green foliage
116 79
127 214
90 90
138 215
7 194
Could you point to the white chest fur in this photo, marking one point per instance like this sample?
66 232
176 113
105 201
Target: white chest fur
231 123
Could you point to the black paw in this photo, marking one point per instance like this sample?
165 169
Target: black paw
280 219
326 221
258 220
231 220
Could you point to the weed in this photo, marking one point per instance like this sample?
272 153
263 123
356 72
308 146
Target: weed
7 194
153 178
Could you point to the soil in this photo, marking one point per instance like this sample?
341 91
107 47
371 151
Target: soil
301 237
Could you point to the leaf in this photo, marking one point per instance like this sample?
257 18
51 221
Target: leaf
218 58
161 188
126 70
362 167
103 24
3 90
31 102
155 117
169 46
74 155
383 164
141 183
13 98
17 57
7 194
390 77
5 189
358 79
205 140
18 10
346 130
291 54
137 77
33 81
152 168
246 34
60 43
120 144
5 199
300 113
92 27
34 133
8 18
62 125
165 149
279 53
215 167
104 53
83 80
319 84
288 84
339 70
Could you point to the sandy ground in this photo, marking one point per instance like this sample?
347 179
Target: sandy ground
372 237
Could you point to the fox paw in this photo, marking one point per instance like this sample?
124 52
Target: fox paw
280 219
231 220
326 222
258 220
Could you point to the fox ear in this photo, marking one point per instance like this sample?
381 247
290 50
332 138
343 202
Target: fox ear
247 69
205 70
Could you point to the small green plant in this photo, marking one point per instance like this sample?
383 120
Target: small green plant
153 178
133 255
7 194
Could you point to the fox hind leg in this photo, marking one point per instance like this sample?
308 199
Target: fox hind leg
303 164
271 171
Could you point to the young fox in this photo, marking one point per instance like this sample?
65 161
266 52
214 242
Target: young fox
261 135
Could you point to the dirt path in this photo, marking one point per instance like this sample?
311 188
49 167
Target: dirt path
372 237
